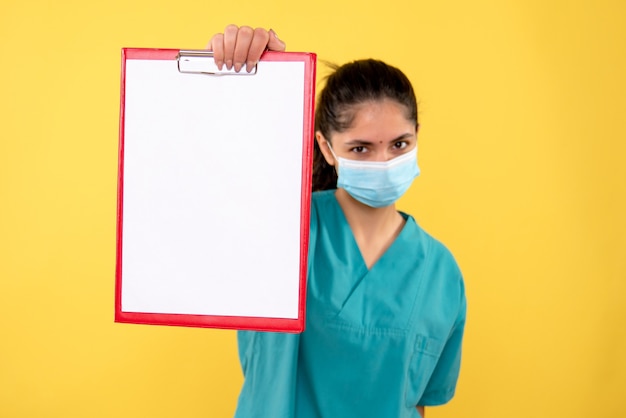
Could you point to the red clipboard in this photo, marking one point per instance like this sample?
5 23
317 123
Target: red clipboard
214 189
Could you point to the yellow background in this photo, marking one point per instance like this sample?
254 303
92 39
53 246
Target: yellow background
523 144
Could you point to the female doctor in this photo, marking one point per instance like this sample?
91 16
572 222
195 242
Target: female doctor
386 303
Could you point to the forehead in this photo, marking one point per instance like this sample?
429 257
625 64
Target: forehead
379 119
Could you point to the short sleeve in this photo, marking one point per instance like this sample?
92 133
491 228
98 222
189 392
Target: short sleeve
313 228
442 383
269 364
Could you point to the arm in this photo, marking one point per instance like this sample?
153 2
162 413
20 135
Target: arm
420 409
239 46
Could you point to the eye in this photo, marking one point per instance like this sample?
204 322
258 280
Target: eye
359 149
400 144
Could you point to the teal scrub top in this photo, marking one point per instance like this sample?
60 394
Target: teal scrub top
377 343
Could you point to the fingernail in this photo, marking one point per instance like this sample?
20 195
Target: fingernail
229 64
238 67
250 66
219 64
274 33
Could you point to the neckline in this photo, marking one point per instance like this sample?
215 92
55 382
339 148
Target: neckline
408 224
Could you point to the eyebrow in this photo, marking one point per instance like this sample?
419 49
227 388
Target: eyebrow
360 142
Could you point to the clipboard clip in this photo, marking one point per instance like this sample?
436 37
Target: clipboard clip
202 62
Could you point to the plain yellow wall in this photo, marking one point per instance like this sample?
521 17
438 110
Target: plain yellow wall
522 153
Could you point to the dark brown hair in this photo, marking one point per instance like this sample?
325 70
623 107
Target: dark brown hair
349 85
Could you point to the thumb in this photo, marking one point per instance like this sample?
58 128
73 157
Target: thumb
274 43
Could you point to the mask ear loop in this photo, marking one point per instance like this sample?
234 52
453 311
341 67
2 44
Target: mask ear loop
336 166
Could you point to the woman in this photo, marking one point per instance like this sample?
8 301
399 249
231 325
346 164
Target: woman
386 302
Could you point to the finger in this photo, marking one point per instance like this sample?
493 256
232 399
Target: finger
275 44
260 39
242 46
230 39
217 46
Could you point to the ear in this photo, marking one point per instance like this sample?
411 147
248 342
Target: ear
324 147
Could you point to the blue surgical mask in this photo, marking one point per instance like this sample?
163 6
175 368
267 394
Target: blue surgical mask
377 183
